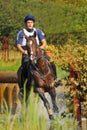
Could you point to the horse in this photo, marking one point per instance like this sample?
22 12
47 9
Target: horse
42 74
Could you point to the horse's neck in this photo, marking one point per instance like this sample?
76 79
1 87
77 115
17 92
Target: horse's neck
42 65
39 53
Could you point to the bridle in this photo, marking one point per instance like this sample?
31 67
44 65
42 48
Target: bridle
31 41
34 58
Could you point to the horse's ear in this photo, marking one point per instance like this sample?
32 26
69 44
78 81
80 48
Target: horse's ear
34 33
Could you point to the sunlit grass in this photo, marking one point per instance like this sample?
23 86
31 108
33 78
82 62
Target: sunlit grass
13 63
67 123
30 119
9 66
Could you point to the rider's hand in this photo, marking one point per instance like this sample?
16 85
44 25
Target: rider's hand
41 47
25 52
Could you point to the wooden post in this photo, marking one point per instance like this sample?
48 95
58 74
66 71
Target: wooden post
5 48
2 89
77 104
9 96
77 108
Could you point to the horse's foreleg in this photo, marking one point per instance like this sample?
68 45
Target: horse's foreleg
28 88
46 103
52 93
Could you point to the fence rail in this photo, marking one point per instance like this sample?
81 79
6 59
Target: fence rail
8 77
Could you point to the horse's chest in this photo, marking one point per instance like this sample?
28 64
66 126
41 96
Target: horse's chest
42 67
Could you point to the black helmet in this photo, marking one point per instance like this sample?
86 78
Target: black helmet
29 17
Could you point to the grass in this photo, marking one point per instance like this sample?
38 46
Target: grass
13 63
31 120
10 65
64 124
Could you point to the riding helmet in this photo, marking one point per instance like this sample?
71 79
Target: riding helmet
29 17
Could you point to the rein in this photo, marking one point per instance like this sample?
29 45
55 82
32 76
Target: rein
37 70
35 55
43 76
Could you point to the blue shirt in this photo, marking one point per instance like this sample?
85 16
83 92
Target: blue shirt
21 36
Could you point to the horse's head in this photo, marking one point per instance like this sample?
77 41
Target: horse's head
32 47
34 51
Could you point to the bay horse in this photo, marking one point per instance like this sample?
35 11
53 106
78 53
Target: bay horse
42 74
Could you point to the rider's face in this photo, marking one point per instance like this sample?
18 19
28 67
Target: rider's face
29 24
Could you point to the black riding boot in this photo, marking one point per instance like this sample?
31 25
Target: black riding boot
52 65
57 82
54 69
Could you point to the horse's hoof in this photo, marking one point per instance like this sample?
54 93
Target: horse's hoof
51 117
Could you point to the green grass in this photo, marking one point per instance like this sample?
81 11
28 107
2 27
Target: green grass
10 65
13 63
32 121
66 123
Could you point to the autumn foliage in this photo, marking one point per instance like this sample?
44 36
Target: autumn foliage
72 57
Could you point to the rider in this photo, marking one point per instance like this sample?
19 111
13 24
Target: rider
29 29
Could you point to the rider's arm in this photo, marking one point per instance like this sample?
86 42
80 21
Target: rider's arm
44 43
21 49
42 39
19 42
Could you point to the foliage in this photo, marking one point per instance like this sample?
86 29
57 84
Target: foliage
52 17
76 2
72 57
64 123
50 47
